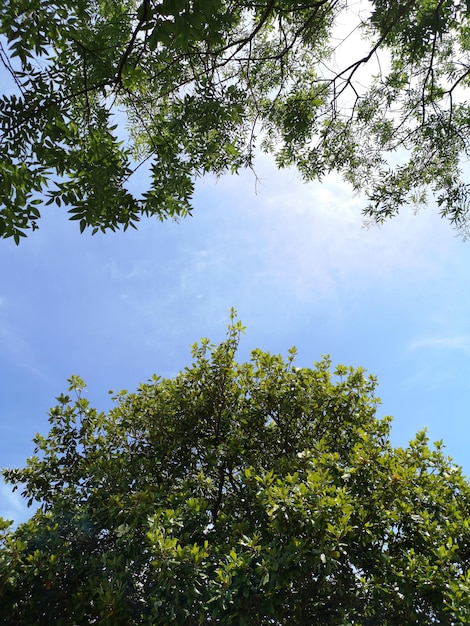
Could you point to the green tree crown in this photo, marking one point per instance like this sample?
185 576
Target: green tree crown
237 493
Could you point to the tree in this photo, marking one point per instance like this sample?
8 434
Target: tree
200 84
253 493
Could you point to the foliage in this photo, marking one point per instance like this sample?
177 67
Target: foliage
199 84
253 493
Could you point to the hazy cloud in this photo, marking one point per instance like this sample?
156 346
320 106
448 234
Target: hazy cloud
461 343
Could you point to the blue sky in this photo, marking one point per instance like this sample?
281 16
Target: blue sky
293 259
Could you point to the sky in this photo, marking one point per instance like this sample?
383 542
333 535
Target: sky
294 260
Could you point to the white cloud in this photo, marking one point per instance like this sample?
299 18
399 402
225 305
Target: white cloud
12 505
18 349
312 236
461 343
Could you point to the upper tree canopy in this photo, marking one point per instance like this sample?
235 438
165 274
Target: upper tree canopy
200 84
252 494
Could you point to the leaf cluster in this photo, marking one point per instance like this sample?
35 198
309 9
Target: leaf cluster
248 493
192 87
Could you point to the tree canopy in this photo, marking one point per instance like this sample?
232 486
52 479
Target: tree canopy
191 87
237 493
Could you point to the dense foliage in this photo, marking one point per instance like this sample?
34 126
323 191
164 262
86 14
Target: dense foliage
253 493
200 84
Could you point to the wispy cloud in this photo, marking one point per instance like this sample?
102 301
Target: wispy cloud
461 343
16 347
312 237
12 506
